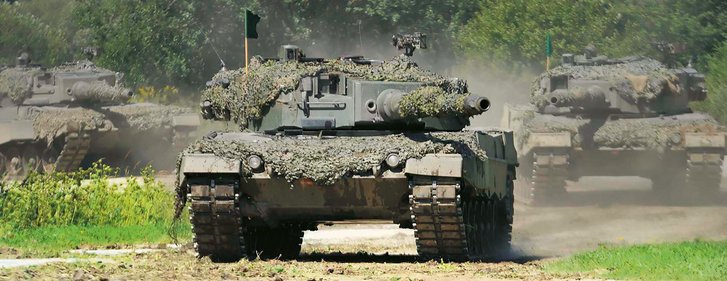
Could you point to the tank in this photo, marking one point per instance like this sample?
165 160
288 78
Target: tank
594 116
322 141
68 116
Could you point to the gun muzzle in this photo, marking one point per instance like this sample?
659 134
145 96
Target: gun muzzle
475 104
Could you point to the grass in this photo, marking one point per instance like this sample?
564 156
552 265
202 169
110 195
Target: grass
48 213
696 260
53 241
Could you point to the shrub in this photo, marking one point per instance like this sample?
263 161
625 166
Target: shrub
60 199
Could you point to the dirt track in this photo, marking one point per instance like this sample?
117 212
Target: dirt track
620 211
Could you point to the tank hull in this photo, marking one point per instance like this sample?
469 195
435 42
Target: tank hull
431 193
680 153
53 138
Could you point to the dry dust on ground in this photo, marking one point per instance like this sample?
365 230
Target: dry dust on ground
599 211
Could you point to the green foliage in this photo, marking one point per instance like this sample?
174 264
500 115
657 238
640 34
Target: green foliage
24 32
716 102
698 260
513 33
61 199
150 41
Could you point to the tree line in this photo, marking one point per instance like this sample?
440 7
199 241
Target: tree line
181 42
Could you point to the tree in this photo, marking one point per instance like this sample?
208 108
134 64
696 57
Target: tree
513 32
46 44
716 102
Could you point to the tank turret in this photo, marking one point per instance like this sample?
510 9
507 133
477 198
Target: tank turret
591 84
308 94
79 83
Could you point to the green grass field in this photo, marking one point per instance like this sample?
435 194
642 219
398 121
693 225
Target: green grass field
53 241
697 260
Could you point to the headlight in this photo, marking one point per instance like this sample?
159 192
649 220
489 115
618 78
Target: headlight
393 160
676 138
255 162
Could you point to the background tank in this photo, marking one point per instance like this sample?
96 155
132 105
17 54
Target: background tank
352 138
63 117
593 116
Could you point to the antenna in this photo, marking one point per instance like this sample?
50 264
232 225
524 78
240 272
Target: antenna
222 63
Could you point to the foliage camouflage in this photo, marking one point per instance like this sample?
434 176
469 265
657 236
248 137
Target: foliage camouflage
651 133
247 96
325 160
655 77
49 123
16 83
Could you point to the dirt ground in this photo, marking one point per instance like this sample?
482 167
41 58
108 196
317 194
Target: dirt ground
618 211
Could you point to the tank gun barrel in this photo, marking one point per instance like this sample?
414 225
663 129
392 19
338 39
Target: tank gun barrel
390 106
99 91
593 97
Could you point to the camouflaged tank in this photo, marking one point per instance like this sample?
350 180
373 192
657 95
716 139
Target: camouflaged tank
60 118
346 139
593 116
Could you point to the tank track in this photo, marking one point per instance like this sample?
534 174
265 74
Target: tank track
546 183
448 227
216 224
74 150
705 176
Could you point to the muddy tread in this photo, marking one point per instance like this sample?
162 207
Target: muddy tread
216 225
545 184
74 150
476 227
437 218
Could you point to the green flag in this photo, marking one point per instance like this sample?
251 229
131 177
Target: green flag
548 45
251 21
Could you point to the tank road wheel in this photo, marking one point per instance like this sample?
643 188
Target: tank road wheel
271 243
451 227
20 162
216 223
32 157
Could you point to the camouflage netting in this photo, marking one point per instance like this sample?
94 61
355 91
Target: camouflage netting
432 101
328 159
246 97
100 92
51 122
16 83
651 133
633 79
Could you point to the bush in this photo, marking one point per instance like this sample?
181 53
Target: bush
60 199
716 103
45 44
